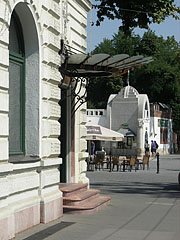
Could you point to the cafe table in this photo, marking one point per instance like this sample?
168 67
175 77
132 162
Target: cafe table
124 162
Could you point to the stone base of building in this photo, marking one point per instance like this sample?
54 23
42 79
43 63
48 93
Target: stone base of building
27 218
6 231
19 221
51 210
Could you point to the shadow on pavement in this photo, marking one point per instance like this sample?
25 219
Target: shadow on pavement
49 231
167 190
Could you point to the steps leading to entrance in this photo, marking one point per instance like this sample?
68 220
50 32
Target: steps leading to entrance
77 199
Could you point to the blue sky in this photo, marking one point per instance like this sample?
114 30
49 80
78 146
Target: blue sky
108 28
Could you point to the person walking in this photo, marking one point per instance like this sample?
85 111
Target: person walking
146 148
92 148
153 148
156 145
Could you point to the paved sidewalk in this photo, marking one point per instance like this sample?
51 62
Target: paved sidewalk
144 206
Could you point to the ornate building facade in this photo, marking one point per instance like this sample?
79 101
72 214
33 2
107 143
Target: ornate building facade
31 155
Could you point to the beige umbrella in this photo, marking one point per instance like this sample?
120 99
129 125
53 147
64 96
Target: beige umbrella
97 132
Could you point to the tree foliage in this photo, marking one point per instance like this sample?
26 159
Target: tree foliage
100 89
160 79
135 13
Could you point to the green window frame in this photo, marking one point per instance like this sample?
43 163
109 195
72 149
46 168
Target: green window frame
18 59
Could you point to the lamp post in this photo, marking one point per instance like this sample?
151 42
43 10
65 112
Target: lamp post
157 156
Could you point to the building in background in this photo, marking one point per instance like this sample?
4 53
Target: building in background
161 127
131 114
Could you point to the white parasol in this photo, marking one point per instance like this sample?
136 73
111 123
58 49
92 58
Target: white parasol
97 132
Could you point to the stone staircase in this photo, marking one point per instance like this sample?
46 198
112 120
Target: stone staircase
78 199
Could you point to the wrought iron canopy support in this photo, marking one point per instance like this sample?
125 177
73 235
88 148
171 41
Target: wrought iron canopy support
78 91
72 80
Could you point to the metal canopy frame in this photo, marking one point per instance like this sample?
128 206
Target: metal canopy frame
79 68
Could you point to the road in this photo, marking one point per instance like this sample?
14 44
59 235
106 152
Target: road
144 206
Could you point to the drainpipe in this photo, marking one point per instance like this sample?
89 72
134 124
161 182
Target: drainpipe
68 145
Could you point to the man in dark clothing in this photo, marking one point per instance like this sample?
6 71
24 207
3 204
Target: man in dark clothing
156 145
92 148
153 148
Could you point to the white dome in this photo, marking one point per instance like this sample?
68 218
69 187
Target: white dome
128 92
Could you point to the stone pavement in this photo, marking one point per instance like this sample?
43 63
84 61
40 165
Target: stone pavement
144 206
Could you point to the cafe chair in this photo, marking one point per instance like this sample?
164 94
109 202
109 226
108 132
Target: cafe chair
99 160
115 162
132 164
144 162
90 163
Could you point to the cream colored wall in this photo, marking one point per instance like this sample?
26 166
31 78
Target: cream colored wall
32 186
77 23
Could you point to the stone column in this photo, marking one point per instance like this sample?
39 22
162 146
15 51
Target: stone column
140 144
51 206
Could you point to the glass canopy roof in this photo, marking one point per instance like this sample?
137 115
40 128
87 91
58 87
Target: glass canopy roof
97 65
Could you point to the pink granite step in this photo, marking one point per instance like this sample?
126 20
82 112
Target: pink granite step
69 189
77 198
90 207
81 197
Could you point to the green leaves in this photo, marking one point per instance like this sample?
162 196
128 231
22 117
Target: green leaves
136 13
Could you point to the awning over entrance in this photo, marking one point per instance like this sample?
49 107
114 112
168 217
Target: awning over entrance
82 65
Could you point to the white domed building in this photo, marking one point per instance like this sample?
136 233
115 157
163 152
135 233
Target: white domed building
131 114
128 112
